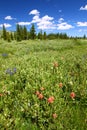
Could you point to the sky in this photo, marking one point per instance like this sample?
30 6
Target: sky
52 16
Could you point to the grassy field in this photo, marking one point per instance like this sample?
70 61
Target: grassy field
43 85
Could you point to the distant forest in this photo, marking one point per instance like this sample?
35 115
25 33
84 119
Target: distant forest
22 33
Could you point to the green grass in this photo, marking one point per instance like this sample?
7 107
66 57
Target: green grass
26 67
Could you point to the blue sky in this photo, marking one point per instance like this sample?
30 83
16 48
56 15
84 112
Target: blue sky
68 16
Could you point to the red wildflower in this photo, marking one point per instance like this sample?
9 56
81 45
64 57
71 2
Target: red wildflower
60 85
37 93
40 96
1 95
54 115
72 95
55 64
50 99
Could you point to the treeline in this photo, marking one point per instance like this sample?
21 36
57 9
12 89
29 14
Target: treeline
22 33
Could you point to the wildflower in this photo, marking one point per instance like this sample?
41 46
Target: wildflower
55 64
42 88
5 55
72 95
37 93
71 83
1 95
40 96
14 69
11 73
8 71
60 85
50 99
54 115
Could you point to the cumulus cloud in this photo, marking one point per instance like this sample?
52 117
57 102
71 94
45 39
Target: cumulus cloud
64 26
34 12
45 22
47 18
60 20
83 24
9 18
24 23
36 19
7 25
46 25
83 8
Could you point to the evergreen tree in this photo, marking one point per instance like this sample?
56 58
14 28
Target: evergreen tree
84 37
8 36
4 33
28 35
21 32
25 34
44 36
14 35
11 35
40 35
32 32
18 33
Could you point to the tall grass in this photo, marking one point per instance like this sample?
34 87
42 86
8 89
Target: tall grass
43 85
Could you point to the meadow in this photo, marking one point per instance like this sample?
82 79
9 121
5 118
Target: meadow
43 85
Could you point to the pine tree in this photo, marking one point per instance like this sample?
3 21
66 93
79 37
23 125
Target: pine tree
8 36
28 35
32 32
21 32
84 36
12 38
14 35
25 34
40 35
18 33
44 36
4 33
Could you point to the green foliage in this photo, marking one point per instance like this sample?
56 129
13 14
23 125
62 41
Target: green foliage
44 36
40 35
55 69
18 33
57 36
4 33
32 32
25 34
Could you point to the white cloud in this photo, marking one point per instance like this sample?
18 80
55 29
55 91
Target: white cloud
24 23
6 25
47 18
46 22
34 12
9 18
82 30
83 24
46 25
36 19
64 26
60 20
83 8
